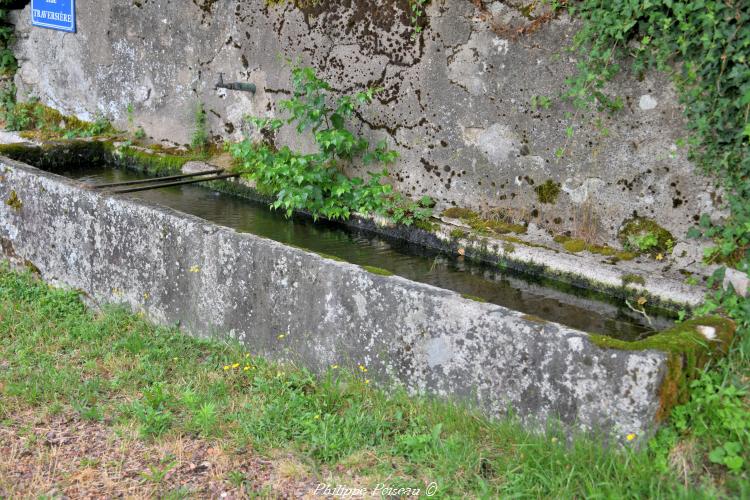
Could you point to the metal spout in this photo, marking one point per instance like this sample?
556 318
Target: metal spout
241 86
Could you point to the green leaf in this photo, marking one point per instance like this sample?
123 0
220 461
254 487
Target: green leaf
734 463
717 455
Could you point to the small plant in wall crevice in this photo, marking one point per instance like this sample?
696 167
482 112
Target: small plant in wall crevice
416 16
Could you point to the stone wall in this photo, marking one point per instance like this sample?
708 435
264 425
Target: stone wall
286 303
456 101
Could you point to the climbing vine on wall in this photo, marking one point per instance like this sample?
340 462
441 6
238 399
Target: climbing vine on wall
705 46
416 16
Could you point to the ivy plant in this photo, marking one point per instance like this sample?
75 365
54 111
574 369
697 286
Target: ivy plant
705 46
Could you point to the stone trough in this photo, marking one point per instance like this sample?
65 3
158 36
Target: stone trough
290 304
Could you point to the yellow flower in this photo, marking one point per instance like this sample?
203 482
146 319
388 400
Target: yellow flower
334 367
145 295
226 367
630 437
362 368
659 256
317 417
175 359
236 365
367 381
246 368
281 336
195 269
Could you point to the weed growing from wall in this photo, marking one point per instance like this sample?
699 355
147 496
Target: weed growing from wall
416 16
199 140
315 182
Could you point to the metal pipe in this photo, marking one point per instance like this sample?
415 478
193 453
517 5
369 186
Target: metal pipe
157 179
169 184
243 86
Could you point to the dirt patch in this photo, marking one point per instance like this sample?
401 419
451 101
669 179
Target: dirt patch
65 456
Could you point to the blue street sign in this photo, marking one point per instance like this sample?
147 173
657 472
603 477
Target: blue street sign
54 14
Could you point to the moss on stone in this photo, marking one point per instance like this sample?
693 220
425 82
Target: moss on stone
495 226
14 201
473 297
425 225
635 230
481 225
574 246
457 234
327 256
154 163
633 278
601 250
519 241
578 245
534 319
508 247
548 191
46 123
625 255
688 348
459 213
377 270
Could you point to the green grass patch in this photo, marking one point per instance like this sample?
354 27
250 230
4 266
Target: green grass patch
117 368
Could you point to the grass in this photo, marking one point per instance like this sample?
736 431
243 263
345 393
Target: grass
113 379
